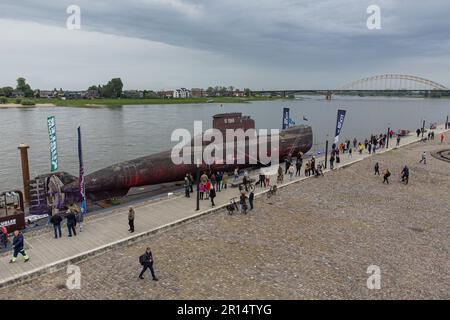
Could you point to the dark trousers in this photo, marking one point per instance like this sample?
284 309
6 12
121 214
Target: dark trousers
148 266
71 228
212 202
17 251
386 180
131 224
57 229
250 200
218 185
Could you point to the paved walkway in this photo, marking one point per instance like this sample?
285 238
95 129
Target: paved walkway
109 230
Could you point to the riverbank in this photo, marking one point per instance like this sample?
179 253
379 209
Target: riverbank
15 105
122 102
314 240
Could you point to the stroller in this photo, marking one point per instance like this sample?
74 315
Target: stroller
319 170
232 207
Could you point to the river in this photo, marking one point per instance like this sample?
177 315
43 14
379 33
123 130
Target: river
115 134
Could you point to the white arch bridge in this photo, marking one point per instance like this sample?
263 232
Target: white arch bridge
385 84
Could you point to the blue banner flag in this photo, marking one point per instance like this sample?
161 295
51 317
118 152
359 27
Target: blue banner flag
51 124
285 118
339 124
82 189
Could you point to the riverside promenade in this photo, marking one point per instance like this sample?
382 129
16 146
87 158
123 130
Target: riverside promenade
109 230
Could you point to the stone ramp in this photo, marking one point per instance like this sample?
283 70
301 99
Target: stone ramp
109 231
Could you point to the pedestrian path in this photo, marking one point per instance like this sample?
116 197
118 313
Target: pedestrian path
109 230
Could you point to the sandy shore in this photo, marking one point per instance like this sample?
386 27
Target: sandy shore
15 105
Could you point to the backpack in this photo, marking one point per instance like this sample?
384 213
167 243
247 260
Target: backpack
4 231
142 259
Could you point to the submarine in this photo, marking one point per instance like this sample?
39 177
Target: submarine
116 180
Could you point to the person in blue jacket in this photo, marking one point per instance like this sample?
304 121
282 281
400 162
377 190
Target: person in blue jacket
18 247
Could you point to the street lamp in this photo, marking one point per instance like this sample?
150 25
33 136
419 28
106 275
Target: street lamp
198 186
388 135
326 152
423 128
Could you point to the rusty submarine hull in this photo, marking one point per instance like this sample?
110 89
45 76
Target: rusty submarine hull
116 180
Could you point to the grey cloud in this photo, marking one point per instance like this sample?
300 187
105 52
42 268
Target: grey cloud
284 34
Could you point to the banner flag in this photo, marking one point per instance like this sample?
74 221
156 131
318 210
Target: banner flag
82 189
285 118
339 124
51 124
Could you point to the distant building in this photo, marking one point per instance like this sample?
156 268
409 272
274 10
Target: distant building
197 93
92 94
46 94
133 94
238 93
17 94
182 93
74 94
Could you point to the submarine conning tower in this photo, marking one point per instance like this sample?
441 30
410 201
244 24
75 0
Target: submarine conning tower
234 121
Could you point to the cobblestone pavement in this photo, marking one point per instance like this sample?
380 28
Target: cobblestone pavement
314 240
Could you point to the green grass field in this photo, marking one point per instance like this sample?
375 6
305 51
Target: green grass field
121 102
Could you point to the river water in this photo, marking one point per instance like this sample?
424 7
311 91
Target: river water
115 134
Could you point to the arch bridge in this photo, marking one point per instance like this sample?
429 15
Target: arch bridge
384 84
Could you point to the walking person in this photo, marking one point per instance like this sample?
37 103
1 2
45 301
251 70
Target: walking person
332 161
4 236
442 138
201 190
236 173
207 189
191 183
219 176
18 244
146 261
71 223
251 197
187 188
398 141
298 166
386 176
423 158
291 171
131 214
350 151
225 180
377 169
56 220
212 195
261 178
80 220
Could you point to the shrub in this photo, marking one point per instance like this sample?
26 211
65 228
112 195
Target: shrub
3 100
27 102
18 101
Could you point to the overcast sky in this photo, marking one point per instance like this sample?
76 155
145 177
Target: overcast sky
261 44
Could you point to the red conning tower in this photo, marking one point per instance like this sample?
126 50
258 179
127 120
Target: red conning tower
233 121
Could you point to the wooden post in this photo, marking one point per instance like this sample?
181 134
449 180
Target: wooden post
25 171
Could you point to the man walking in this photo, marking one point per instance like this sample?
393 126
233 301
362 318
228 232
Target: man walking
251 197
71 223
131 219
398 141
18 243
56 220
386 176
146 261
212 195
423 158
377 169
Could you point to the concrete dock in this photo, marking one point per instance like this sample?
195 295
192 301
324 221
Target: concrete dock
109 230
